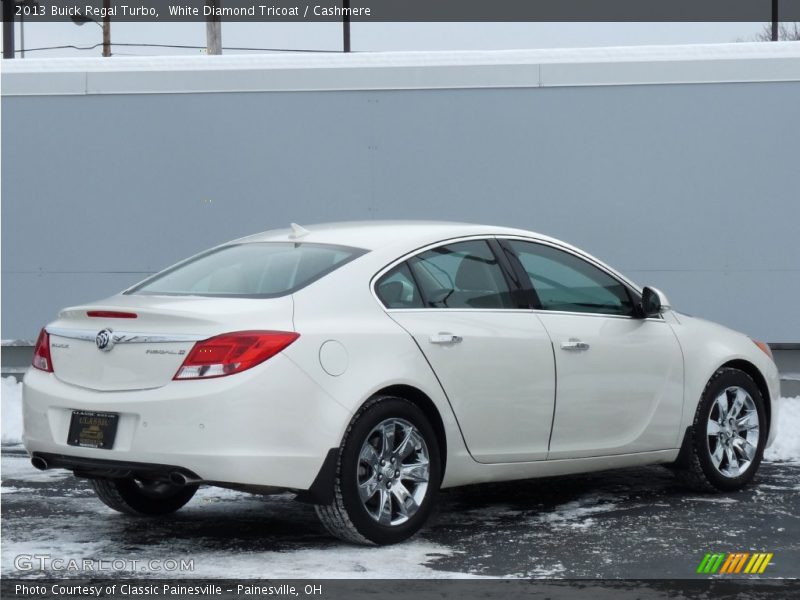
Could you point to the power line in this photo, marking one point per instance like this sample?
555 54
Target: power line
61 48
181 46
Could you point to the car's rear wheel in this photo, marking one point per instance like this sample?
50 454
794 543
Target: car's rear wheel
728 434
142 497
388 475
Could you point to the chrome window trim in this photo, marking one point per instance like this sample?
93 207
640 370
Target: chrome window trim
420 250
535 311
627 283
124 337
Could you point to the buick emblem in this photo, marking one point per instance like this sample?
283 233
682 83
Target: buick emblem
105 340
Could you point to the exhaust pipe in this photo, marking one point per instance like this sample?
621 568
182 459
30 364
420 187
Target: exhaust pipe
181 479
39 463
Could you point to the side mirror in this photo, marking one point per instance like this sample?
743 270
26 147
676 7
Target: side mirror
654 302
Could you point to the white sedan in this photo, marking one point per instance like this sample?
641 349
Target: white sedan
365 366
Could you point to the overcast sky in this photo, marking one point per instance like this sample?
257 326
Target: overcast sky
375 36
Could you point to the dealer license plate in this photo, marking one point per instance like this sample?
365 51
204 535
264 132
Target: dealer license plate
92 429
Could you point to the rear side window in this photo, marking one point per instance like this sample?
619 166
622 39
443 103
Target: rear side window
461 275
565 282
253 270
397 289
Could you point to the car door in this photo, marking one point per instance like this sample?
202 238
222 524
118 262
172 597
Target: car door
619 377
494 362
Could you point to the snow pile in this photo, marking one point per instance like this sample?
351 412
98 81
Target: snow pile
786 446
11 394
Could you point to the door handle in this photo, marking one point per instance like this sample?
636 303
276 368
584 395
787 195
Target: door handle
445 338
574 345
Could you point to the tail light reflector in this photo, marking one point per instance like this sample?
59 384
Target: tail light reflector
764 348
41 353
231 353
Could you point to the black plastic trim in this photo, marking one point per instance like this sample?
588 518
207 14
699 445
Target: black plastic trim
684 455
511 275
96 467
321 491
530 298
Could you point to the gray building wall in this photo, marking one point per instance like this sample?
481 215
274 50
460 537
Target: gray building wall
692 188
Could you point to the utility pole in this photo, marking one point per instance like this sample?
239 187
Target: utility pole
8 28
106 28
774 20
346 26
213 30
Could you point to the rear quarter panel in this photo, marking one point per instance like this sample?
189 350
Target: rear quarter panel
353 349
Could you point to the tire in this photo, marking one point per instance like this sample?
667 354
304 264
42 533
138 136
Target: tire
368 521
138 498
707 465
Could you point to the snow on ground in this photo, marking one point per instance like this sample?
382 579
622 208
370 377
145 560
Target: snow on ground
574 514
93 530
18 467
403 561
584 526
11 393
785 448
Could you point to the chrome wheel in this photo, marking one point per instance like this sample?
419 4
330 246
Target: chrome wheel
393 471
733 431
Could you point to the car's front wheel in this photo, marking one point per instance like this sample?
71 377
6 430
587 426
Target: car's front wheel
142 497
728 434
387 477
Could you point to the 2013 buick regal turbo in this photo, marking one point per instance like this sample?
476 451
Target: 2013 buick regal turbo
364 366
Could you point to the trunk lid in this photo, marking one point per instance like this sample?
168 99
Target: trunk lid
145 352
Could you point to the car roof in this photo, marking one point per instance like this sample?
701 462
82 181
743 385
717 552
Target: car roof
374 235
392 239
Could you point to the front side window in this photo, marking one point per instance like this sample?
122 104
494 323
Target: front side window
565 282
252 270
461 275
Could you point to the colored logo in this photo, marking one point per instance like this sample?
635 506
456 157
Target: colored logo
734 562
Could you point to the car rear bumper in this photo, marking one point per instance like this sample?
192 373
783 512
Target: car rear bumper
270 426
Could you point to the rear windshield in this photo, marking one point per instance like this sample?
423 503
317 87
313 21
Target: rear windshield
253 270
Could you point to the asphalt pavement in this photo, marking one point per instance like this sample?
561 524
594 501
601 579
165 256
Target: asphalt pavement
635 523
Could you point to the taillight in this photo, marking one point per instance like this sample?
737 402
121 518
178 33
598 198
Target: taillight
231 353
41 353
110 314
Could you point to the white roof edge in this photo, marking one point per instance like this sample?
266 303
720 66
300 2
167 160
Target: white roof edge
630 65
373 234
